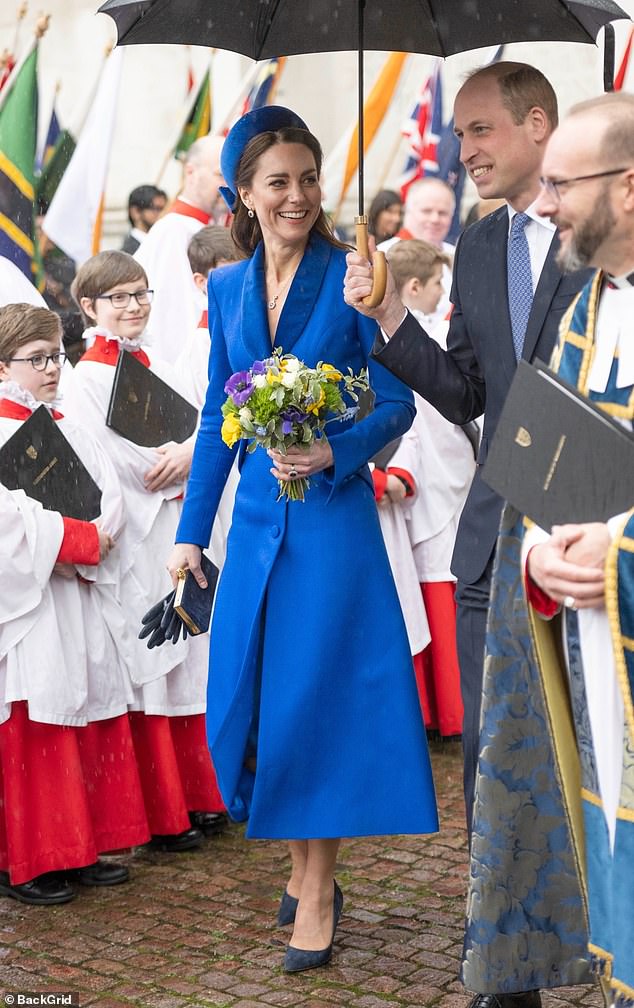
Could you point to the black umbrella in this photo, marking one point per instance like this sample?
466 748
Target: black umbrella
265 28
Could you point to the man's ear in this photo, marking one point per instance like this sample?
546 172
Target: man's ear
4 371
201 282
628 201
88 308
538 121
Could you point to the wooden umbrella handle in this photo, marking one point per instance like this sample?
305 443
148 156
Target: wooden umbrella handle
379 264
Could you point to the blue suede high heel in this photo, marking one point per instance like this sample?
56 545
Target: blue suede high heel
287 910
296 960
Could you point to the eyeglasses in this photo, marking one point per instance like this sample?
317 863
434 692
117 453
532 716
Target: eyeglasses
121 299
39 362
553 188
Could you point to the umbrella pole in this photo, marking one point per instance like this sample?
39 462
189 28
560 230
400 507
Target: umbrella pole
379 281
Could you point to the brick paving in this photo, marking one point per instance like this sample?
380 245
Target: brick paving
196 930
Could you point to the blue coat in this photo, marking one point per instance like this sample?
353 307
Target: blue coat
309 659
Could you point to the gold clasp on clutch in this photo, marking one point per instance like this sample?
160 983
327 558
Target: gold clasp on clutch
523 438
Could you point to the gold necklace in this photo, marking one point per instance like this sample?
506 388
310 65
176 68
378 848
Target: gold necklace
272 304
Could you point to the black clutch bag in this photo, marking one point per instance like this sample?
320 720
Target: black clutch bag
39 460
556 456
193 603
145 409
186 609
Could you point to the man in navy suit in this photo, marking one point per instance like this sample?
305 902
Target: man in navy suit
504 115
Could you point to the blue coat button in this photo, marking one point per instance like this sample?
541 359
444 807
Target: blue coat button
275 531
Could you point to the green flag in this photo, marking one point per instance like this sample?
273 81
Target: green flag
199 120
54 168
18 132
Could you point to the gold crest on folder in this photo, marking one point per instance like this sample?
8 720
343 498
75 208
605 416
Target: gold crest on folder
523 438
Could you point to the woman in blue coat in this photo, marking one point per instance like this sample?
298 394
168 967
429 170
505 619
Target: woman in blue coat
312 712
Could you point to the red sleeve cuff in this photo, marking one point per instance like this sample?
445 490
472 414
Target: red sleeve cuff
379 478
540 601
407 477
80 544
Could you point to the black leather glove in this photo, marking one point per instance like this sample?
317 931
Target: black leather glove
156 619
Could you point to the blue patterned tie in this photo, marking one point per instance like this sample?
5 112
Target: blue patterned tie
520 282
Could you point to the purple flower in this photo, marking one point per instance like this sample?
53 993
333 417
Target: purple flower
292 415
240 387
258 367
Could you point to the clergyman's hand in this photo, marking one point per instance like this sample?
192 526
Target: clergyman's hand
550 567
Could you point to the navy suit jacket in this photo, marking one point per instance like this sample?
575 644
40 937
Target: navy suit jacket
474 374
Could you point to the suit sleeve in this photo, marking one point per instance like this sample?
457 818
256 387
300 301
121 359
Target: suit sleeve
393 414
212 459
451 380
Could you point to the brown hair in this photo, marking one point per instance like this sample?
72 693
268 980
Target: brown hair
245 230
208 246
100 273
522 88
414 258
23 323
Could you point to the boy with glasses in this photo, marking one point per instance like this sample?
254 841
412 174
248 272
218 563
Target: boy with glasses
64 655
169 683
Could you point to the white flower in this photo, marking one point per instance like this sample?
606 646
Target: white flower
288 380
259 380
245 414
293 364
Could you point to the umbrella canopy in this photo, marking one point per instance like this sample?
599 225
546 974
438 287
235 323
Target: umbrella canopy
262 29
265 28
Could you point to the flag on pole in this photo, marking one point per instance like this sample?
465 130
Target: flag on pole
198 121
18 133
265 85
73 221
619 80
7 63
52 136
422 131
341 165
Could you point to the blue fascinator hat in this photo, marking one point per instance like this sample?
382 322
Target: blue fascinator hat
266 119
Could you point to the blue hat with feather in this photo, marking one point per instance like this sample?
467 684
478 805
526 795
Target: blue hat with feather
266 119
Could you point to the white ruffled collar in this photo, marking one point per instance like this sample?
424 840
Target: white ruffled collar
90 335
18 394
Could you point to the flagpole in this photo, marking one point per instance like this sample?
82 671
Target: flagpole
41 28
21 14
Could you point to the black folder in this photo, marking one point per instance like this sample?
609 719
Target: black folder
145 409
39 460
556 456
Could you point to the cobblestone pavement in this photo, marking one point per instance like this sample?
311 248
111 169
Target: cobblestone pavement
197 930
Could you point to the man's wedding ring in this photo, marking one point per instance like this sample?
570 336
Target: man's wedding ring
181 573
293 473
569 603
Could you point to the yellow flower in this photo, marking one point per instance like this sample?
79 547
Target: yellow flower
273 379
230 430
331 373
316 406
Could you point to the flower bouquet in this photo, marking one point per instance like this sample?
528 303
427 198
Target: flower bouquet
281 402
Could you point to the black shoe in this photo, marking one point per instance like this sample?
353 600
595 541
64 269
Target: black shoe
297 960
101 873
44 890
176 842
209 823
527 999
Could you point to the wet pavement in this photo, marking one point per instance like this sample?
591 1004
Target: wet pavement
197 930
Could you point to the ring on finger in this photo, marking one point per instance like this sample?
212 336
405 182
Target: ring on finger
569 603
293 473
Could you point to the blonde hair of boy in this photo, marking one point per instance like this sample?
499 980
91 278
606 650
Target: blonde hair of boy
414 258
